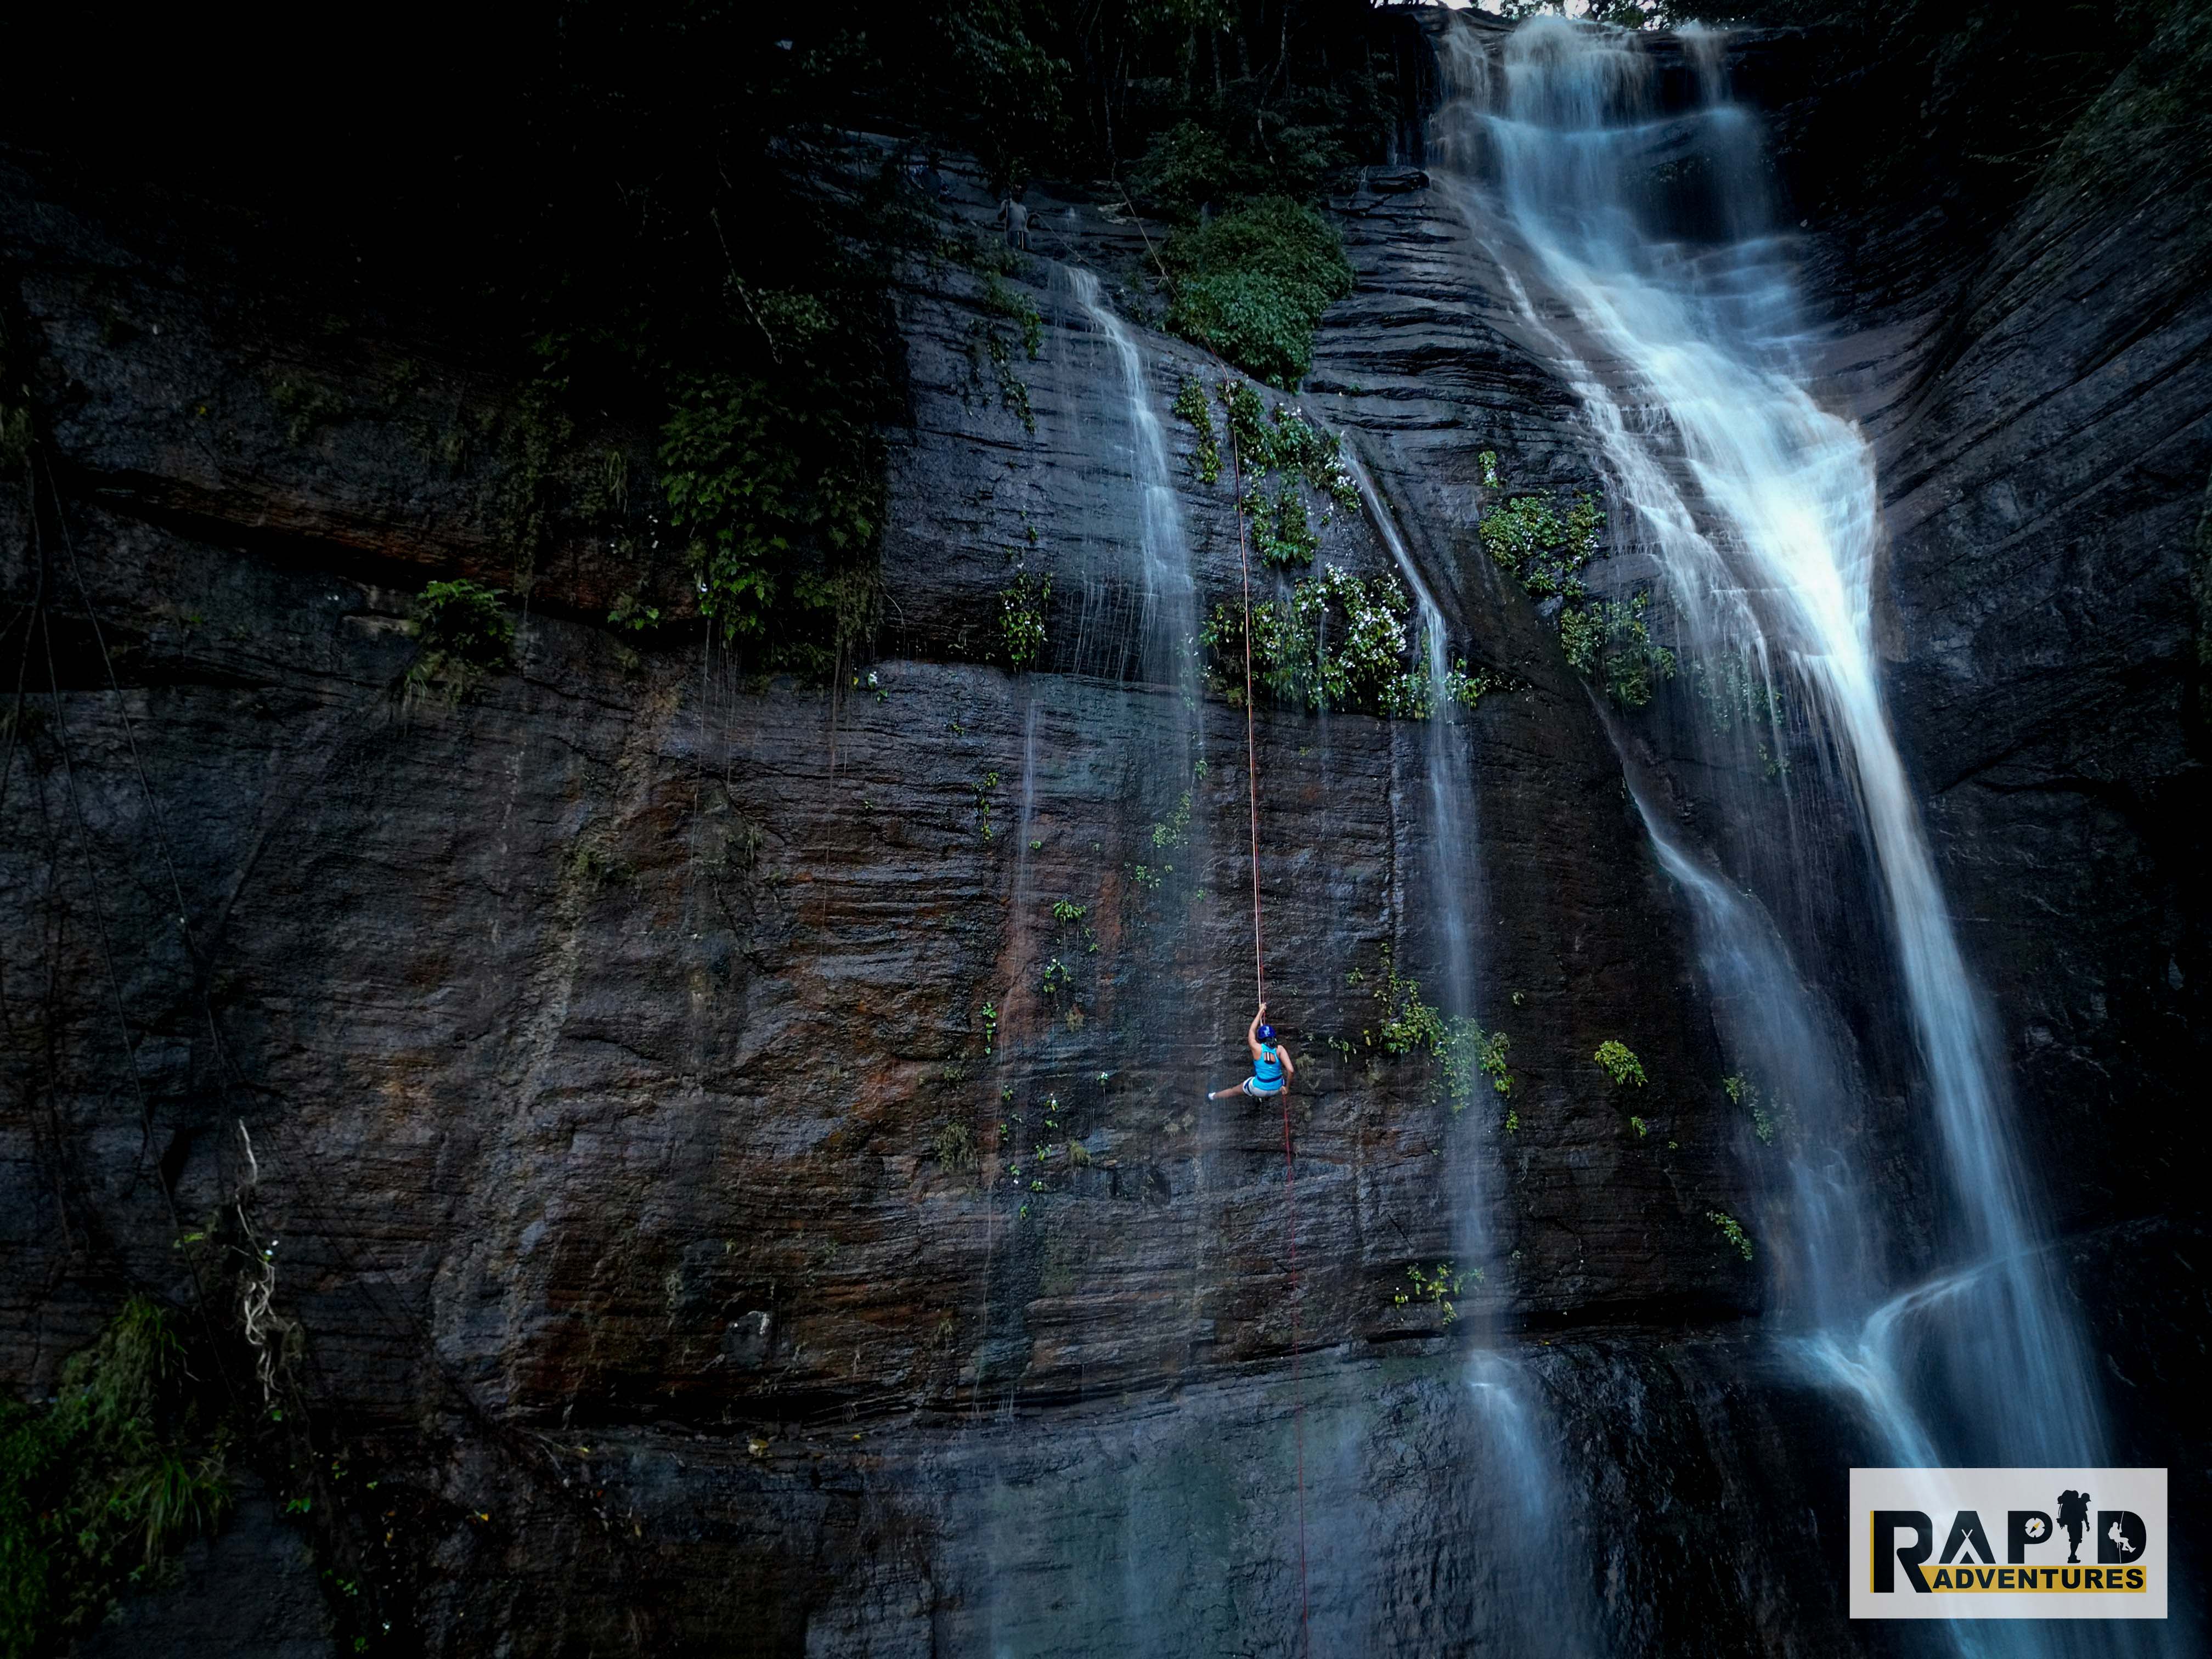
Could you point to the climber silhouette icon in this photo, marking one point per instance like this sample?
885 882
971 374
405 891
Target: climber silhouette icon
2074 1516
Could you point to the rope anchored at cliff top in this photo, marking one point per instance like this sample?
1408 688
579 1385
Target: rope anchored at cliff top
1259 997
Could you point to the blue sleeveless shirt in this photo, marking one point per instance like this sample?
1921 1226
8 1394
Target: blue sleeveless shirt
1267 1070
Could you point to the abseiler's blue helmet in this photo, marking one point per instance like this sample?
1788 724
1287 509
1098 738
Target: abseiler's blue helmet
1266 1034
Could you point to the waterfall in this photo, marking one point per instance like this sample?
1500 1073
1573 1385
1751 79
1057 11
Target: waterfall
1637 242
1451 790
1168 623
1514 1445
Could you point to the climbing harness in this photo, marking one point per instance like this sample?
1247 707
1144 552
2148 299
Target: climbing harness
1259 997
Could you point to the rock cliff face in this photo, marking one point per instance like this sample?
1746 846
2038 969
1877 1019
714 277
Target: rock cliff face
637 1057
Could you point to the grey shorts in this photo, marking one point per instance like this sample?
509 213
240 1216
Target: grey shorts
1252 1087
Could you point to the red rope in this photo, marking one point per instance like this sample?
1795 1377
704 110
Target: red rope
1259 997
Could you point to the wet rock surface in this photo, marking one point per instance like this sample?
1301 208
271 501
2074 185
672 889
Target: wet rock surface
638 1054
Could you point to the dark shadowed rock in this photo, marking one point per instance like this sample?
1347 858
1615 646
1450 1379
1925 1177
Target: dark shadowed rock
638 1054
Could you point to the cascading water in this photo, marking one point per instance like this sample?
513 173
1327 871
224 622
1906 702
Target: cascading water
1527 1610
1169 619
1451 793
1636 241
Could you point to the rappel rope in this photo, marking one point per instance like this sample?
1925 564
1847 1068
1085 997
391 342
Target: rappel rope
1260 996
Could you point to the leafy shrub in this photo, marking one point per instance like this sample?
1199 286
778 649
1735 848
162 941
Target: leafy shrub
1408 1024
986 340
1284 441
1621 1062
955 1148
1286 447
1737 693
1252 285
1340 641
1191 406
463 632
1731 1230
1280 528
1541 547
1466 1052
1021 620
1611 641
1764 1124
1469 1054
782 497
1189 165
97 1487
1437 1287
1544 549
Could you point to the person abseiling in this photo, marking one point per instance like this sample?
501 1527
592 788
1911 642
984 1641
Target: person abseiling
1272 1069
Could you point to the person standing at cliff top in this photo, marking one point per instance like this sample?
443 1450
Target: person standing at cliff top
1272 1068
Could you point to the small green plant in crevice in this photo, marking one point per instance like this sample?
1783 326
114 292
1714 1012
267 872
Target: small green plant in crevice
1512 1119
1731 1230
988 342
1174 830
1640 1127
1171 835
99 1486
1609 641
1072 918
1021 620
1469 1054
1192 408
1620 1064
1408 1024
1282 533
1340 641
305 406
463 634
954 1148
1052 1149
532 429
1057 981
1768 1118
990 1028
1488 462
1284 446
592 868
1437 1288
985 787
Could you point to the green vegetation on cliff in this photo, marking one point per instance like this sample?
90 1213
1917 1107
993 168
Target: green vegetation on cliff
99 1486
1544 546
1252 284
1338 642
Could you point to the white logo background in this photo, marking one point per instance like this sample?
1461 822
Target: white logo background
1939 1494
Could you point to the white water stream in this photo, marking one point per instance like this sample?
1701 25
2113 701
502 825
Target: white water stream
1758 507
1527 1610
1169 619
